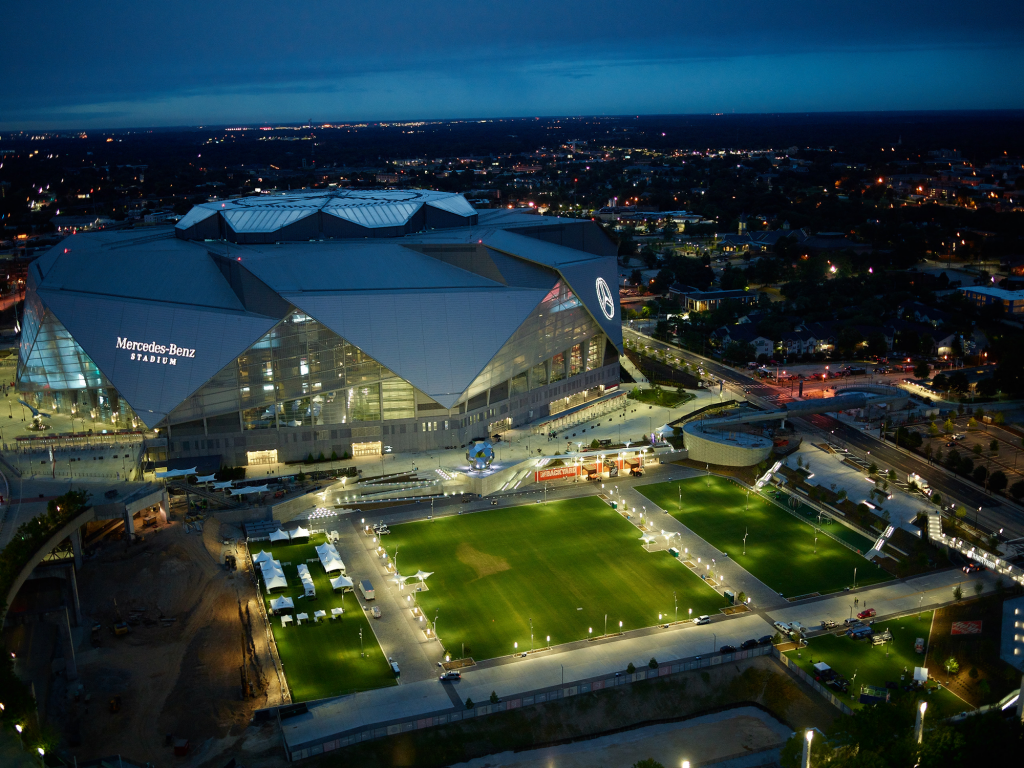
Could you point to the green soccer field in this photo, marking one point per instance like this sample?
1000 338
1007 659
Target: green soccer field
873 667
322 659
564 565
780 549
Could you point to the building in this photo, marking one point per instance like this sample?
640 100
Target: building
1012 301
706 301
269 328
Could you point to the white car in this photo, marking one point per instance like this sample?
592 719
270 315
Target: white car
705 619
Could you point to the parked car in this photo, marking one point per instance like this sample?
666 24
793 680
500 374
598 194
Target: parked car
705 619
451 675
866 614
783 627
748 644
764 640
828 624
727 649
394 667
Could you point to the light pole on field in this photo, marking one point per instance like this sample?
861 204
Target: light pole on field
675 599
531 635
745 534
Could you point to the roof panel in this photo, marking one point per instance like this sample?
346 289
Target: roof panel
456 204
264 221
374 216
197 214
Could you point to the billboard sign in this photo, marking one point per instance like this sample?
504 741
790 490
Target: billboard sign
555 473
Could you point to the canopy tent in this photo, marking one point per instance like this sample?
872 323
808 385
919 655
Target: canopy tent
273 575
300 533
669 534
249 489
206 478
282 603
262 557
279 535
648 539
176 473
421 575
920 674
329 558
342 582
307 580
222 486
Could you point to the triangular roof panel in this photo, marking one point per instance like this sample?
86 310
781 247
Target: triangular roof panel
204 341
437 341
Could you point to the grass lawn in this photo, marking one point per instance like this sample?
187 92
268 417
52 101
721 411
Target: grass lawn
564 565
669 398
780 547
873 667
323 659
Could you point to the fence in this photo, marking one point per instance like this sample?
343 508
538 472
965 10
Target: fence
431 719
799 674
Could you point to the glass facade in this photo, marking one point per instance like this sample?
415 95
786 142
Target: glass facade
559 322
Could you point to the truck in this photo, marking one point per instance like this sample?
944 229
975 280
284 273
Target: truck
367 589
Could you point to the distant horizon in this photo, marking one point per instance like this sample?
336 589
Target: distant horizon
319 123
119 64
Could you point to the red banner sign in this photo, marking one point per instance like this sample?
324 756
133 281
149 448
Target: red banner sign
966 628
554 473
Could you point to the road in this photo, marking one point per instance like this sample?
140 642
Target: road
994 515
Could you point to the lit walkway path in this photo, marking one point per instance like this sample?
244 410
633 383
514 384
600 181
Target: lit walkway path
734 577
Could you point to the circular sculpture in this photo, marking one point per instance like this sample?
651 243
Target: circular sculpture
479 454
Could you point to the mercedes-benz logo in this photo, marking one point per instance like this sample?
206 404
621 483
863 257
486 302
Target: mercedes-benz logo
605 299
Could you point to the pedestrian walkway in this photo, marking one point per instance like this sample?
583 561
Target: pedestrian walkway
731 576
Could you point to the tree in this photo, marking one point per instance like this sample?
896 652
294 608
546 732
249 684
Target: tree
595 444
1017 490
649 762
972 423
921 370
653 663
469 703
933 429
979 586
892 475
937 498
494 697
948 426
976 450
997 481
999 418
958 593
630 669
742 597
952 665
980 474
961 513
994 446
873 468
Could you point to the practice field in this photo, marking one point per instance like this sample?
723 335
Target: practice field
322 659
780 548
873 667
564 565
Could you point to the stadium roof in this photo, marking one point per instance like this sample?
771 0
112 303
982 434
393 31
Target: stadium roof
433 307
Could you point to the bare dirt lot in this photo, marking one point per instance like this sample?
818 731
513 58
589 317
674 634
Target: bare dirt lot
178 673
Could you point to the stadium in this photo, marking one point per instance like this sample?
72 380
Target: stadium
267 328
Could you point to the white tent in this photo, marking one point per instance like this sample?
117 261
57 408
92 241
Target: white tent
222 486
249 489
279 604
262 557
176 473
273 575
279 535
421 575
648 539
342 582
669 534
300 533
206 478
329 558
920 674
307 580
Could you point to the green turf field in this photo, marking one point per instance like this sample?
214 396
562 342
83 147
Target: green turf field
780 548
564 564
323 659
847 656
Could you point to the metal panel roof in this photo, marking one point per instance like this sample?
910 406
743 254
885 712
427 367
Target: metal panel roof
264 221
456 204
197 214
153 389
393 215
346 266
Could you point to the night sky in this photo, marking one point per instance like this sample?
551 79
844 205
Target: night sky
119 64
